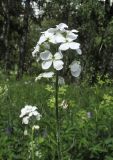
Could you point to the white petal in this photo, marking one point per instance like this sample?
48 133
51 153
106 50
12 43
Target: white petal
37 48
25 120
25 132
61 80
76 74
74 30
48 74
52 39
52 30
30 114
35 113
79 51
39 77
36 127
46 64
58 64
75 68
61 26
71 36
48 34
74 45
42 39
64 47
45 75
46 55
58 55
59 38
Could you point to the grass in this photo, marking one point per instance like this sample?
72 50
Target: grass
81 136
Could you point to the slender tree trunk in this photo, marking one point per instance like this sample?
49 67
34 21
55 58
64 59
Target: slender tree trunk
5 34
23 41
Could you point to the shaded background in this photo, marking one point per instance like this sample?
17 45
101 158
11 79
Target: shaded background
21 22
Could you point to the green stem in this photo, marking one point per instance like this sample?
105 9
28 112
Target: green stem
32 143
57 119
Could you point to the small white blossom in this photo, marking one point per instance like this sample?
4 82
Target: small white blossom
62 26
61 80
64 104
25 120
25 132
45 36
27 112
79 51
70 36
44 75
27 109
36 127
49 59
69 45
75 68
36 49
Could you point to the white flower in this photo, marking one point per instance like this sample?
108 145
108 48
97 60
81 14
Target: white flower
38 117
52 30
62 26
58 38
25 132
49 59
36 49
74 31
69 45
75 68
35 127
53 35
59 28
79 51
45 75
58 35
70 36
25 120
64 104
27 112
44 37
47 36
61 80
27 109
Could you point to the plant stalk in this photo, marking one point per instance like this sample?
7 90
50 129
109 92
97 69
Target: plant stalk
32 143
57 118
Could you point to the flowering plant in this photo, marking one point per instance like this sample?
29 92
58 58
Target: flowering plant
29 113
49 50
63 40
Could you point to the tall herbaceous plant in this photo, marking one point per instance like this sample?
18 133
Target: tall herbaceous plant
50 51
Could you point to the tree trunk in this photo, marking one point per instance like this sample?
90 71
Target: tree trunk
5 34
23 41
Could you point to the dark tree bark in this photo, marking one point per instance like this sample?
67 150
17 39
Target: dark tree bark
23 41
5 33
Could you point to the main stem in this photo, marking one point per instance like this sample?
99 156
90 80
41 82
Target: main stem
57 118
32 143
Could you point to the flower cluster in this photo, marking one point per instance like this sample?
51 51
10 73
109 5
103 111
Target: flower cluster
64 40
29 111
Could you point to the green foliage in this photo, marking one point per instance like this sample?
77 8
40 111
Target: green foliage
86 121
